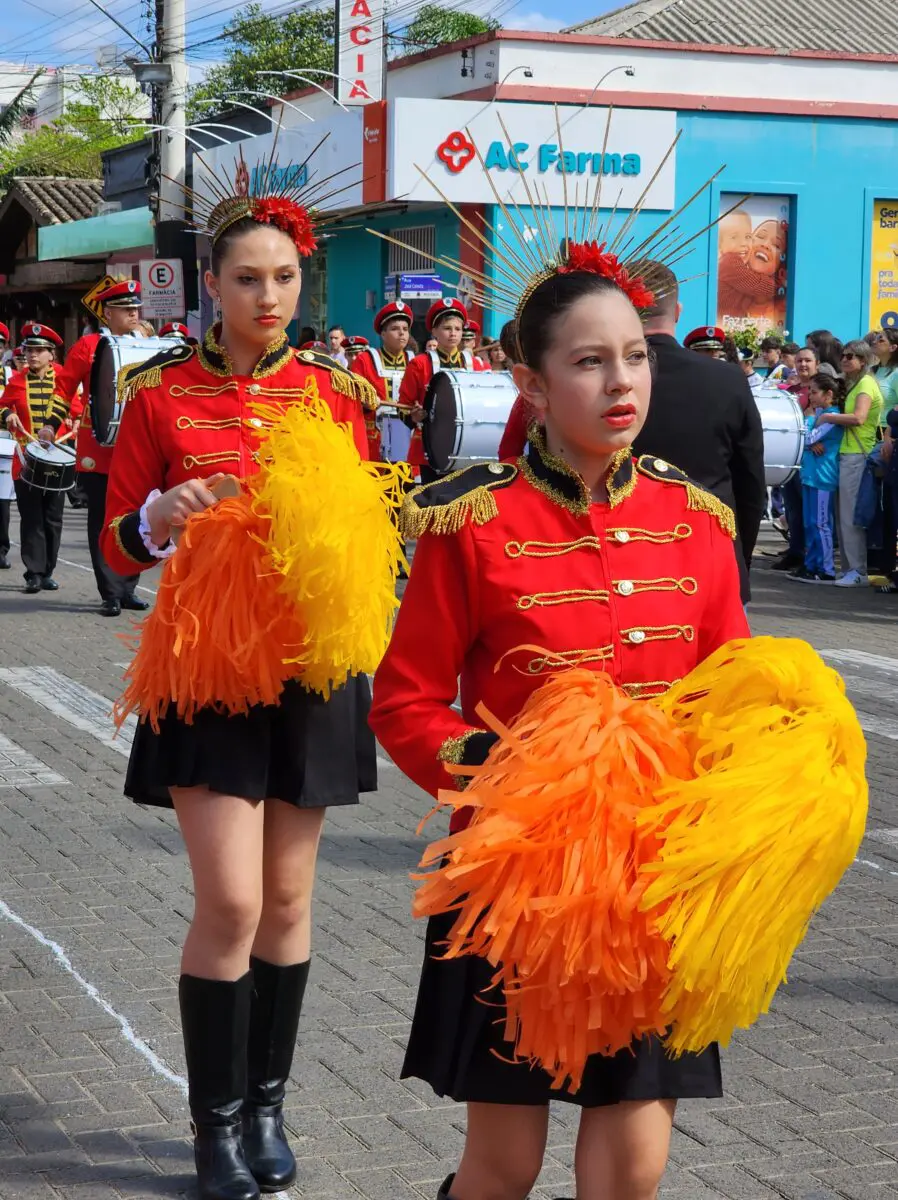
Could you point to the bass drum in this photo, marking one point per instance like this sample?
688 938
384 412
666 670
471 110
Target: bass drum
466 416
111 357
7 454
783 424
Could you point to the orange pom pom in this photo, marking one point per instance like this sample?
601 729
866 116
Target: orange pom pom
216 637
546 878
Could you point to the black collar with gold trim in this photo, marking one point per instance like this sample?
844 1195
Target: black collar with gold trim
556 479
216 360
453 359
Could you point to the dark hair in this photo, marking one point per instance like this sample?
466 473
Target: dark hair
830 383
218 251
827 346
771 343
663 283
790 347
550 301
731 351
508 340
891 336
334 328
307 334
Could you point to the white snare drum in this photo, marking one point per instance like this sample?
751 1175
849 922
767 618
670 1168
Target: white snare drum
466 416
111 357
783 425
7 454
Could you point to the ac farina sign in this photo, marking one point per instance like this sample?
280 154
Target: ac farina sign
360 51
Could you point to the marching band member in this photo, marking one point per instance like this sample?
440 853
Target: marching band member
470 340
384 369
576 555
175 329
31 410
576 536
6 366
249 791
445 320
121 313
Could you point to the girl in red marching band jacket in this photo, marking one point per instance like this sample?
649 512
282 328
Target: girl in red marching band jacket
575 555
385 369
249 791
446 320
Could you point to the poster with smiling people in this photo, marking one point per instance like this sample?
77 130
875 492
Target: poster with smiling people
753 263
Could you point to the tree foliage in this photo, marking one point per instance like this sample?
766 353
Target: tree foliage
105 114
256 42
434 26
12 114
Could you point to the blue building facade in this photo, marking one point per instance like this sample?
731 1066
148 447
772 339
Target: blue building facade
830 171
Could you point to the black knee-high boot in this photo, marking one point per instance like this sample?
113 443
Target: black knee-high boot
215 1021
274 1021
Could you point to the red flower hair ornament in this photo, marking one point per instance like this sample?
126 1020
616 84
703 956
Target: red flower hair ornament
290 217
592 258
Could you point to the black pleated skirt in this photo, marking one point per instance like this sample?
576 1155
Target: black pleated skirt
305 750
456 1045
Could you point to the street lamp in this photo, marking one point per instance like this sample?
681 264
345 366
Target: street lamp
627 68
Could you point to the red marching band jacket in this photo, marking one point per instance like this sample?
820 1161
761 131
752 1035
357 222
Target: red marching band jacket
91 456
518 574
35 404
384 374
190 417
417 379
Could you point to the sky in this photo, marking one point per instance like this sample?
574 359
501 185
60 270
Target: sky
56 32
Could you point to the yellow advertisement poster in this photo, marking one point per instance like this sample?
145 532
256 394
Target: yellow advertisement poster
884 266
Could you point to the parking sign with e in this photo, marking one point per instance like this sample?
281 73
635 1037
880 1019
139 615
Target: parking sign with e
162 285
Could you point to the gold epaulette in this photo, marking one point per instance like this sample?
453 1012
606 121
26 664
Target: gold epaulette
696 497
149 374
446 505
343 381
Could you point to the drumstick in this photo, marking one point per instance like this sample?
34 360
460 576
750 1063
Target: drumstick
65 437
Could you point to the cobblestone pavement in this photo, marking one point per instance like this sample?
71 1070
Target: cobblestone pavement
94 901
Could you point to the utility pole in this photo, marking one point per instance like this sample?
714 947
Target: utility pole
173 238
171 37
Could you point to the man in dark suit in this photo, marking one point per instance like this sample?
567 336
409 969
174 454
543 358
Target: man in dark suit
703 419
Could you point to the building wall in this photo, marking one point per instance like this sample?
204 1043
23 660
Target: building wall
831 169
357 262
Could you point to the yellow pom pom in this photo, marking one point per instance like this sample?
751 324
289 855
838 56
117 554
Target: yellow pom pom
332 538
752 846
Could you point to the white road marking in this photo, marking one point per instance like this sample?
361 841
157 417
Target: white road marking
888 836
81 567
19 768
867 862
72 702
877 726
160 1067
860 658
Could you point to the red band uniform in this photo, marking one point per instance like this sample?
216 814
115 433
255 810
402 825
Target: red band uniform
523 575
93 460
190 417
422 369
385 373
31 397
